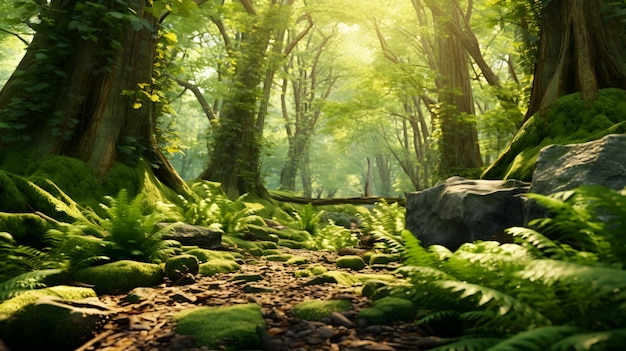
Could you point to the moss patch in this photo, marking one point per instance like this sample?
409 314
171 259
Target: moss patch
120 276
297 260
310 271
351 279
383 259
315 310
208 325
351 261
179 266
389 309
217 266
571 120
9 307
205 255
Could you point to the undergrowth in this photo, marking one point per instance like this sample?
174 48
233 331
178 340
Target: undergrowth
560 286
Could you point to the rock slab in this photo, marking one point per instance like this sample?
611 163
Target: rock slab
461 210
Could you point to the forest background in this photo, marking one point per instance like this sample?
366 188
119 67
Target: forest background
351 91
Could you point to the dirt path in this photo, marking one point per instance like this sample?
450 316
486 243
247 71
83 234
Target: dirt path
147 325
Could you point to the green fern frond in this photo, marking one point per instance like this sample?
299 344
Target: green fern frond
438 316
469 343
414 254
545 246
538 339
495 300
24 282
614 339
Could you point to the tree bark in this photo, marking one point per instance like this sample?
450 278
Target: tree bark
581 49
85 108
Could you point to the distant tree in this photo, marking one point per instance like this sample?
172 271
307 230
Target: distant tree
86 86
582 48
236 149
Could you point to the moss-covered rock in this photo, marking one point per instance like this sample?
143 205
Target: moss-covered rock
10 306
293 244
178 267
389 309
571 120
218 265
351 261
279 258
371 286
239 324
120 276
205 255
383 259
26 228
297 260
310 271
53 323
315 310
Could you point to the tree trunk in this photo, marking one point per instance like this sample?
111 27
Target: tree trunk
582 49
459 137
86 104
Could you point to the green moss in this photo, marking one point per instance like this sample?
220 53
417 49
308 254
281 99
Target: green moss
120 276
278 258
26 228
315 310
383 259
239 243
178 266
389 309
238 324
297 260
351 261
351 279
217 266
292 244
571 120
9 307
206 255
311 271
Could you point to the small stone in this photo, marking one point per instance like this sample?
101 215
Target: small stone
182 298
378 347
250 288
339 319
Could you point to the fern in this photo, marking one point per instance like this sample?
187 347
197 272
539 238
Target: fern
614 339
538 339
469 344
413 253
386 223
25 282
308 218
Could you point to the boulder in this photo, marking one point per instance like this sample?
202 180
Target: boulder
53 323
195 235
461 210
564 167
120 276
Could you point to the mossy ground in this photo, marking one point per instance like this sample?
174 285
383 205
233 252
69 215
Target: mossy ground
570 121
315 310
216 266
237 323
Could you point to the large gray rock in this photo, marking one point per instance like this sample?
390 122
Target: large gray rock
195 235
461 210
564 167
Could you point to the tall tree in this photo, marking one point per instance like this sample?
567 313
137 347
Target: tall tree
236 150
459 138
582 48
85 87
311 81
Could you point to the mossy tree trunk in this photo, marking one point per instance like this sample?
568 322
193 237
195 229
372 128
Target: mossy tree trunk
459 137
582 48
76 91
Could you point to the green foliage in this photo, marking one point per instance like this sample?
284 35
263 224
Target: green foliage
211 207
385 222
132 232
314 310
554 290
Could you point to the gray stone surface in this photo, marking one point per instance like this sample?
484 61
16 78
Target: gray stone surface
461 210
564 167
195 235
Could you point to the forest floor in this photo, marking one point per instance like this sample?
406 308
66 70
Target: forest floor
148 325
